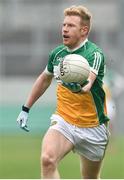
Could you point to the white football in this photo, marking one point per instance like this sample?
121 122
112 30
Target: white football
74 68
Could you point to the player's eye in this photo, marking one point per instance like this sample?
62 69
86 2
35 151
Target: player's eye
64 25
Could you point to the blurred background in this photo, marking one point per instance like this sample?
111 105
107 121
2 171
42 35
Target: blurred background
29 30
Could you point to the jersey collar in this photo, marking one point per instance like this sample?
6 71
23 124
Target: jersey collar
81 45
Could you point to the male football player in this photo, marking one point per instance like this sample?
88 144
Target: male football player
79 122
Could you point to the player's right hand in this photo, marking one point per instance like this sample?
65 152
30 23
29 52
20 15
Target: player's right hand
22 120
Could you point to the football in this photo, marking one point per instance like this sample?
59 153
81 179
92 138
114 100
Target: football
74 68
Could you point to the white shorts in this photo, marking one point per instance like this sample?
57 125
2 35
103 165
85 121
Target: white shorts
88 142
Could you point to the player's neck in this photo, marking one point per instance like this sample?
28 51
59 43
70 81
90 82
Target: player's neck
79 46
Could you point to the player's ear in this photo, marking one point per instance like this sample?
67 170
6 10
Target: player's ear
84 30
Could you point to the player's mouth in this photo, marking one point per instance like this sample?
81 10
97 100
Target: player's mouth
66 37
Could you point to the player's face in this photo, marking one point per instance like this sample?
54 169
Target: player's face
72 31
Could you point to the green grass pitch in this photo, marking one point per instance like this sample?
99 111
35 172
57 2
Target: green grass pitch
20 151
20 159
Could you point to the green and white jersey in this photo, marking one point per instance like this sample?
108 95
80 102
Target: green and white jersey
83 110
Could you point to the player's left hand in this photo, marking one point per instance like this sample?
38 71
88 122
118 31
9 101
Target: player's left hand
75 87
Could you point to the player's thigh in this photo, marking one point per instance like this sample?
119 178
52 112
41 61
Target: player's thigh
55 145
90 169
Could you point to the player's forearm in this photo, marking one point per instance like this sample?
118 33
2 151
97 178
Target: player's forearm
39 87
91 80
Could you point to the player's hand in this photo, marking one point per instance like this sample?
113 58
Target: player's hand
73 87
22 120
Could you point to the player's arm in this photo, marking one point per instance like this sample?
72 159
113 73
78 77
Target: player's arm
97 62
39 87
90 81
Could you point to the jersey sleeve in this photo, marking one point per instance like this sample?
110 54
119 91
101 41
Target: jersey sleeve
97 62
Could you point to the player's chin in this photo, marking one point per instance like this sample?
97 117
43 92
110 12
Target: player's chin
66 42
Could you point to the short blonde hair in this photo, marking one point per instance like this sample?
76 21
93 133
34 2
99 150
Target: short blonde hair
80 11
